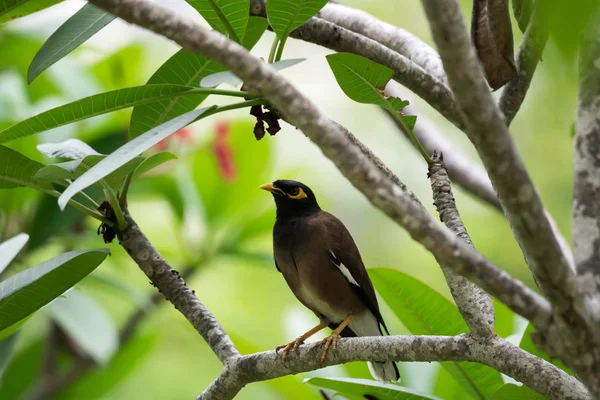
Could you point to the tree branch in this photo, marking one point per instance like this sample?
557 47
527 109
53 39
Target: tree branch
406 72
394 38
488 132
173 287
473 303
586 196
335 143
497 353
530 53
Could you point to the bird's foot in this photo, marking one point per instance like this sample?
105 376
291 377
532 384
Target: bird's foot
329 341
294 345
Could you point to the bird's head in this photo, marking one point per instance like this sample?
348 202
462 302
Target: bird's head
292 197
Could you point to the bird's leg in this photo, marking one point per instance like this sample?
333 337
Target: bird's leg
299 340
331 340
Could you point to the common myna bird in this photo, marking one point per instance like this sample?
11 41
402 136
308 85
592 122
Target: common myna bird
322 265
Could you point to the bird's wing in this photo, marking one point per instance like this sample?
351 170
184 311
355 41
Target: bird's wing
344 254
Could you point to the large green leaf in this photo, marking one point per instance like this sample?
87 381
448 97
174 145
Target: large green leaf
13 9
87 323
74 169
26 292
183 68
23 371
364 80
126 153
7 345
287 15
91 106
254 31
10 248
75 31
152 162
514 392
426 312
97 384
530 347
230 17
18 170
364 387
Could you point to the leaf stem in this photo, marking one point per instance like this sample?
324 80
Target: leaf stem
232 35
114 202
229 107
79 206
280 49
411 135
273 49
220 92
125 189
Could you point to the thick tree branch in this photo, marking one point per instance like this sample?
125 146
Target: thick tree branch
335 143
488 132
586 196
173 287
530 53
394 38
473 303
497 353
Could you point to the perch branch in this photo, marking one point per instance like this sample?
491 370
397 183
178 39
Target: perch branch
498 354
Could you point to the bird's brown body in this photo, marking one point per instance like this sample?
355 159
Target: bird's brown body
321 263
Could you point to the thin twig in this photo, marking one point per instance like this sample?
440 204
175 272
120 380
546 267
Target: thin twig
473 303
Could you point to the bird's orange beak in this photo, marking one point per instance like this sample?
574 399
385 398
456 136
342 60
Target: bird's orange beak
269 187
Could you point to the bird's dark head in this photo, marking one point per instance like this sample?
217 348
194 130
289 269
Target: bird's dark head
292 198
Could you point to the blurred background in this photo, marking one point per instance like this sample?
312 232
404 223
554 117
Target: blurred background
205 213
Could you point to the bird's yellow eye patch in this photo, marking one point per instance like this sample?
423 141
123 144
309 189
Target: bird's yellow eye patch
297 194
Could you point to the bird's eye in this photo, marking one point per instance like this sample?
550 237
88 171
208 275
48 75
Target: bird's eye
294 192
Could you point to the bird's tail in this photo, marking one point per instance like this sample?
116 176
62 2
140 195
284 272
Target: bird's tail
365 324
384 371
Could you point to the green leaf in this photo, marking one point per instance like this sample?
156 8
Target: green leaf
126 153
364 81
426 312
230 17
18 170
365 387
91 106
522 9
528 345
254 31
7 346
10 248
98 383
75 31
164 186
26 292
228 77
514 392
152 162
86 322
13 9
183 68
286 15
22 371
72 170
